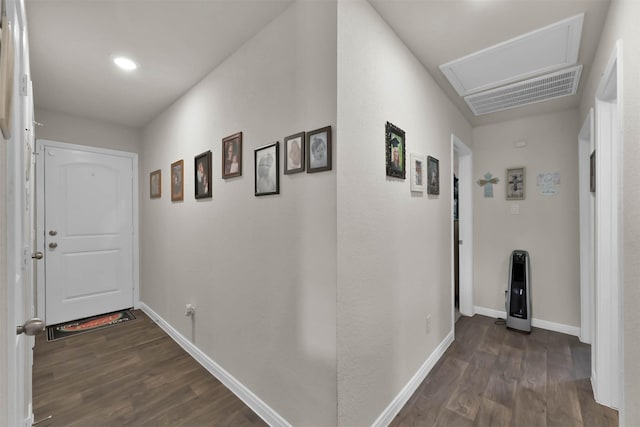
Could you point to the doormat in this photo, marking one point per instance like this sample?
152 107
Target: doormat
64 330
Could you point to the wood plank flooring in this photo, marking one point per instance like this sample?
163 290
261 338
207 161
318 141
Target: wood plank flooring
129 375
135 375
494 377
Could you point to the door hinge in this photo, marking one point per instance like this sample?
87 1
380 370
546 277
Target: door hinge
24 85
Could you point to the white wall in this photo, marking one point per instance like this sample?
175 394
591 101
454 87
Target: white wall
64 127
4 321
622 23
547 226
394 247
261 271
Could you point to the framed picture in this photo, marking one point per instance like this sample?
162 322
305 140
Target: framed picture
6 76
232 156
395 151
202 168
592 172
294 153
515 183
267 167
433 175
177 181
155 184
319 150
418 166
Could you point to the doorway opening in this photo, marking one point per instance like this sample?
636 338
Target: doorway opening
87 229
461 230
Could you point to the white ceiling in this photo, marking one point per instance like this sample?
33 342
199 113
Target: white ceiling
439 31
177 42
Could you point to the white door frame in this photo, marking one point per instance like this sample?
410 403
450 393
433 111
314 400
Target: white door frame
41 145
15 372
608 338
465 223
586 144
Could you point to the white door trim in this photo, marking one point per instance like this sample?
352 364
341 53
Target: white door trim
586 145
465 222
41 144
608 338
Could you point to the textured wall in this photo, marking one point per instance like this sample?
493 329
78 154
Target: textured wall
622 24
261 271
394 247
547 226
63 127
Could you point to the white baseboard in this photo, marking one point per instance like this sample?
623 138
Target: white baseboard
263 410
401 399
537 323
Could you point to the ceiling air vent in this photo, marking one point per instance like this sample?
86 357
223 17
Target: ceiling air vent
545 50
538 89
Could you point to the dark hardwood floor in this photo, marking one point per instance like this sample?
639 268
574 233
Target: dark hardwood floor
135 375
494 377
129 375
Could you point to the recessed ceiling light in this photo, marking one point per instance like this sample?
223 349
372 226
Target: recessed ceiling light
125 63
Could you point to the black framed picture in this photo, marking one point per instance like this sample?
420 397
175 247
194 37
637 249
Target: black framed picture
319 150
155 184
177 181
395 151
202 168
433 175
267 167
294 153
232 156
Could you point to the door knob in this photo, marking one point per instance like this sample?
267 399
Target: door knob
53 245
53 233
37 255
31 327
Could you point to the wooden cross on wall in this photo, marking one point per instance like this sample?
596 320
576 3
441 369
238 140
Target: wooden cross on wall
487 183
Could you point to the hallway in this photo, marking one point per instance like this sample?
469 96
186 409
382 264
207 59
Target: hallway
134 374
491 376
129 375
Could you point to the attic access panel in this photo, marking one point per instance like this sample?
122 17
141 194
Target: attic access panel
541 51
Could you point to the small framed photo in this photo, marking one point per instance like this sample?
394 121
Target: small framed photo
267 167
294 153
319 150
177 181
232 156
395 151
433 175
592 172
202 168
155 184
515 183
418 166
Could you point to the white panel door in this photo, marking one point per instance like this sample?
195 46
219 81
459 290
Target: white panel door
88 233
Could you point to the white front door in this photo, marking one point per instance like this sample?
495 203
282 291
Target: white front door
88 231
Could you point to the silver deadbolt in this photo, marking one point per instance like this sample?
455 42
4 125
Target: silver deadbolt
31 327
53 245
37 255
53 233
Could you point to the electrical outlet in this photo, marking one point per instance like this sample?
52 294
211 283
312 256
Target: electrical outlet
428 324
190 310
